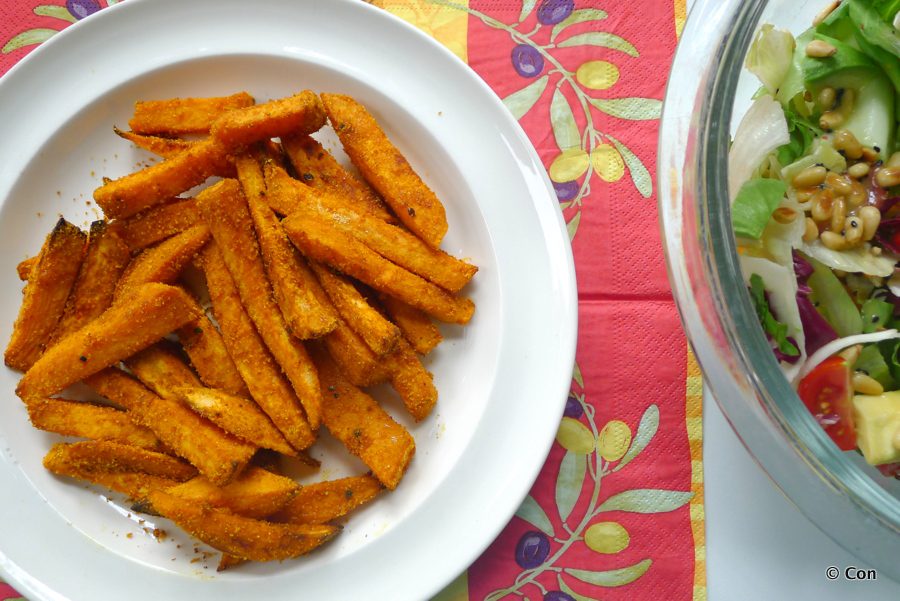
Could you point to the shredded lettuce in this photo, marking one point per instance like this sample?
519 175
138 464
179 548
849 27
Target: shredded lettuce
770 56
762 130
872 362
803 133
823 153
856 260
755 202
776 330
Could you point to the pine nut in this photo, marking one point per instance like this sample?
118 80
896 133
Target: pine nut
876 250
811 176
858 171
846 141
830 120
848 101
811 232
784 215
888 177
822 205
827 97
832 240
826 12
894 161
838 214
871 219
853 230
870 155
864 384
820 49
858 194
838 183
851 353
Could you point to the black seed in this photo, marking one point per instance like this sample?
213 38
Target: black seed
83 359
308 177
357 433
348 494
876 318
411 211
198 330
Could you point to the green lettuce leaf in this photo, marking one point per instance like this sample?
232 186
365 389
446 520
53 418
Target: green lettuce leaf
872 362
776 330
754 204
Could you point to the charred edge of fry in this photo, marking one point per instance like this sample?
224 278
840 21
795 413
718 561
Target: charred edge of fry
160 146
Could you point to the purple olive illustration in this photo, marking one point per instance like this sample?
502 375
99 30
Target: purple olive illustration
82 8
566 190
573 408
532 549
552 12
527 61
558 596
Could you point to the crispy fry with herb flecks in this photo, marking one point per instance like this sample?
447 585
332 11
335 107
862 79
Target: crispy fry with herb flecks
320 241
23 269
153 185
256 493
205 347
225 211
104 261
301 113
417 327
216 454
317 168
288 196
107 456
176 116
164 147
165 262
386 169
158 223
161 370
291 279
242 537
323 502
364 428
136 485
357 361
379 334
412 381
95 422
257 367
153 311
237 415
49 283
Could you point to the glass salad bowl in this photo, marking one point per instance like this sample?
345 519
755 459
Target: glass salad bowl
709 92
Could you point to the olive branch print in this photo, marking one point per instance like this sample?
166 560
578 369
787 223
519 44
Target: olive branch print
582 152
73 11
592 454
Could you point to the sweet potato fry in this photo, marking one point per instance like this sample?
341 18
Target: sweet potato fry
161 370
107 456
417 327
164 147
158 223
290 277
326 501
412 381
256 365
354 357
153 311
320 241
301 113
379 334
46 292
204 345
256 493
287 196
368 432
242 537
95 422
239 416
105 260
23 269
216 454
225 211
177 116
143 189
386 169
318 169
136 485
165 262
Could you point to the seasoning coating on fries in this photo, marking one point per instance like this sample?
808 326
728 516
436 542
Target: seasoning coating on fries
204 345
177 116
23 269
242 537
86 420
357 361
386 169
158 223
256 365
327 501
256 493
163 263
164 147
301 114
225 211
417 327
46 292
216 454
412 381
160 369
154 310
107 456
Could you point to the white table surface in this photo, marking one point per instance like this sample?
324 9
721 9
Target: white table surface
759 546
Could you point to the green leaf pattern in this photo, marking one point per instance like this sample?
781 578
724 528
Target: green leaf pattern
612 578
569 482
578 16
519 103
602 39
562 119
532 512
28 38
646 500
645 433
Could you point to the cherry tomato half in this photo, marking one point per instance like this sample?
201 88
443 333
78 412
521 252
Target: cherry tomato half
827 392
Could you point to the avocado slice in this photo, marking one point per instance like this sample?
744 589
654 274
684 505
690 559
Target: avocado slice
877 421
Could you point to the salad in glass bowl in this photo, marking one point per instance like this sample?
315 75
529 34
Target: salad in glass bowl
814 183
